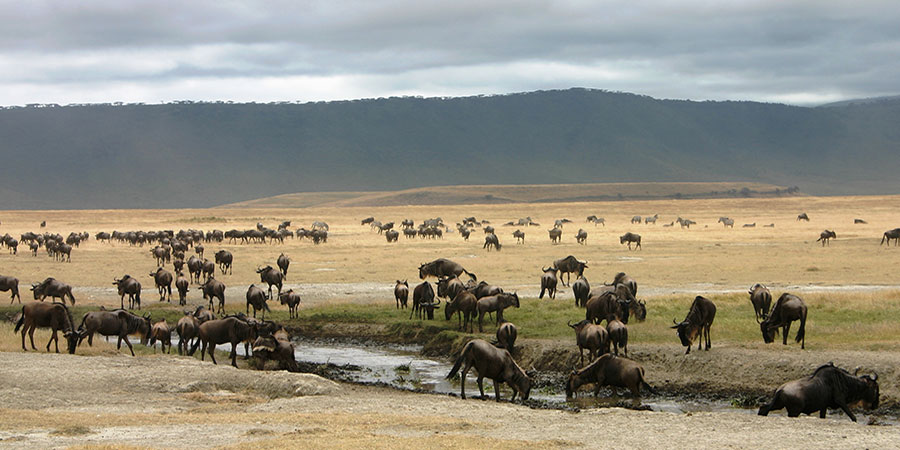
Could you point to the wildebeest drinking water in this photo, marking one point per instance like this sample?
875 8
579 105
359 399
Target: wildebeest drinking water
10 284
609 370
828 387
494 363
787 309
697 322
47 315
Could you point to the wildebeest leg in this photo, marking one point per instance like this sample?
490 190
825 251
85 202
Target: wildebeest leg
30 337
843 405
462 380
53 338
234 354
480 381
497 389
203 351
480 319
499 316
822 413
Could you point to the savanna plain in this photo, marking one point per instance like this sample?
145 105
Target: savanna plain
101 397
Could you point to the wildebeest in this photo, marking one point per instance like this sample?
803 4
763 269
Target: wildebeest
276 347
548 281
51 287
392 235
224 258
118 323
582 290
555 235
494 363
465 233
495 303
214 288
787 309
609 370
761 299
506 336
257 298
163 280
443 267
607 306
581 236
627 281
630 237
520 236
162 254
636 219
488 230
130 286
803 216
222 331
292 300
618 335
465 305
825 236
367 220
202 313
891 234
749 225
181 285
491 240
449 287
698 321
726 222
401 293
160 332
10 284
178 265
195 267
47 315
272 277
199 250
208 268
569 265
187 328
592 337
828 387
423 301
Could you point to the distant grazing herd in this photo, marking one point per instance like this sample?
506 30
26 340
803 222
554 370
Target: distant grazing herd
615 302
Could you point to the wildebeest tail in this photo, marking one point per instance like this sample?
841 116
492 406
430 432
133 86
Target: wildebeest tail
543 288
71 297
647 385
801 333
21 321
471 275
459 361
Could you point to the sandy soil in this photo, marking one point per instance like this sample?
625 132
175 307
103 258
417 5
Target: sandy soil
174 402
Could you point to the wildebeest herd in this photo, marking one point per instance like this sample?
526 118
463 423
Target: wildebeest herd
615 303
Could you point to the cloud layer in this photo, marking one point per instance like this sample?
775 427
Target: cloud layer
801 52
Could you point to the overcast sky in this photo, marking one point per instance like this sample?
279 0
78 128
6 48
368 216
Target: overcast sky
798 52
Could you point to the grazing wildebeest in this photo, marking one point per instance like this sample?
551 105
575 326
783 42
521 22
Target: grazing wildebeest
609 370
187 328
569 265
423 301
787 309
401 293
276 347
202 313
491 240
292 300
214 288
118 323
257 297
582 290
548 281
10 284
222 331
828 387
494 363
651 219
592 337
520 236
618 335
698 321
163 280
825 236
629 238
859 222
506 336
130 286
449 287
636 219
802 216
555 235
160 332
581 236
483 289
891 234
495 303
47 315
761 299
195 268
630 283
53 288
392 235
488 230
726 222
465 304
224 258
441 267
272 277
181 285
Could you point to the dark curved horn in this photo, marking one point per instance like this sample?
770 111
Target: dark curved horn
569 323
675 321
855 371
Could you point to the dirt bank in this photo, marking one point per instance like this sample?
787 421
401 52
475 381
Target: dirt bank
62 400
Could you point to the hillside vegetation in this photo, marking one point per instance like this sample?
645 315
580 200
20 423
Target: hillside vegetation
206 154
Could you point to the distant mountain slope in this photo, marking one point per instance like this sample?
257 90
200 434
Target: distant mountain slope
197 155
